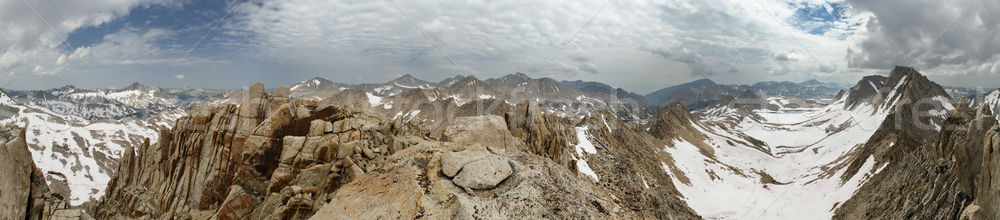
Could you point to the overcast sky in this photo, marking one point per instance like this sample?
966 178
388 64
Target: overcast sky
638 45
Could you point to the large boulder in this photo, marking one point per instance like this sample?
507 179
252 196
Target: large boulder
475 170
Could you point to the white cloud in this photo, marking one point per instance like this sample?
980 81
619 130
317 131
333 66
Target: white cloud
735 38
32 31
178 76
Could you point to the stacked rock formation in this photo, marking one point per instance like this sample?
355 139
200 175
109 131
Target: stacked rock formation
265 158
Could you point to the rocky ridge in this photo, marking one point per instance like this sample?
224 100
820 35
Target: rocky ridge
274 158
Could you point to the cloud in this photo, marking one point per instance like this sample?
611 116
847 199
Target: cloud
711 37
647 44
905 34
588 68
178 76
33 32
787 56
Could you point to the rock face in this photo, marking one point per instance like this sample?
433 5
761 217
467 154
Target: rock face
23 192
988 186
544 135
265 158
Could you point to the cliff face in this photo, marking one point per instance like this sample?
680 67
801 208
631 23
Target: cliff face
987 185
23 192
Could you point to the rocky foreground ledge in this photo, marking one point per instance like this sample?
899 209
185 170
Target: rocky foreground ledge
23 192
275 158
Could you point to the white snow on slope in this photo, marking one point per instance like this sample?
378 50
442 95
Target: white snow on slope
373 100
83 151
731 187
584 146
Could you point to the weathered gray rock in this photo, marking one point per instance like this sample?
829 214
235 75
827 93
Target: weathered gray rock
23 191
452 162
15 174
484 173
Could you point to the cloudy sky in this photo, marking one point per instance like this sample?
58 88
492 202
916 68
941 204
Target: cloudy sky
639 45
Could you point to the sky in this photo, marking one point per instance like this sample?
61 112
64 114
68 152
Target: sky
641 46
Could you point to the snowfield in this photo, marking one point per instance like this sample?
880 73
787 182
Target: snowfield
78 153
786 180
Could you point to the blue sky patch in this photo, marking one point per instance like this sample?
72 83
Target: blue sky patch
817 19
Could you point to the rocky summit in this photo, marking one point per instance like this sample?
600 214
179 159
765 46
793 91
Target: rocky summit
274 158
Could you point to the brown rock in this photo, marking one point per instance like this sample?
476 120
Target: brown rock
236 206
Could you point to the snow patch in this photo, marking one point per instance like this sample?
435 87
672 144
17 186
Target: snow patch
584 146
373 100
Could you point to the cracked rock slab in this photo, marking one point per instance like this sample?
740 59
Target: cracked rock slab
476 170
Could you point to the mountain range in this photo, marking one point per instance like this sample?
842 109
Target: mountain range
900 146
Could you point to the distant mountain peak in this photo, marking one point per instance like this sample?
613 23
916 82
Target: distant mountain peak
516 76
136 86
409 80
703 81
813 82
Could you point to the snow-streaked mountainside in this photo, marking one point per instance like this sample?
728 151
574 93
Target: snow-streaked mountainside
991 100
78 155
792 163
134 101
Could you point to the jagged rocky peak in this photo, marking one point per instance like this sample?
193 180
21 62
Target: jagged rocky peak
864 92
905 83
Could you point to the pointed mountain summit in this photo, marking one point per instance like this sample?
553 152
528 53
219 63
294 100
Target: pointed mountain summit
408 80
312 84
909 85
135 86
